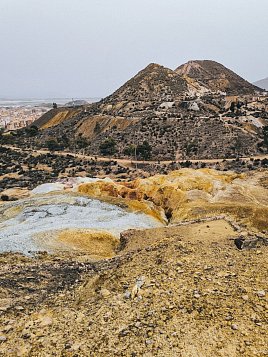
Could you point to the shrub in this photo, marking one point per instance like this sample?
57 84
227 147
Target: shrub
32 130
108 147
52 145
97 128
129 150
144 150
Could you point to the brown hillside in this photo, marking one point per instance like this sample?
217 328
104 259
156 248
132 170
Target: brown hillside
92 126
182 114
216 77
150 88
55 117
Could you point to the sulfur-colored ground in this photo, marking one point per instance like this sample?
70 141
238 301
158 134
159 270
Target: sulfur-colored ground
178 291
193 194
182 290
100 244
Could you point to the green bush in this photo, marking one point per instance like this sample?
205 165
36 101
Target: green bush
108 147
52 145
144 150
129 150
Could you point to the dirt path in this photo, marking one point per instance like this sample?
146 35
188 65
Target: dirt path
128 162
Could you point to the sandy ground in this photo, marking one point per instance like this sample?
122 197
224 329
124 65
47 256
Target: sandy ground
180 291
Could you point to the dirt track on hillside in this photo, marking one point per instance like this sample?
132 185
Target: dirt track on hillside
129 162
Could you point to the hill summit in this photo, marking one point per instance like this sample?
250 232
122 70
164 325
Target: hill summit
216 77
151 86
156 87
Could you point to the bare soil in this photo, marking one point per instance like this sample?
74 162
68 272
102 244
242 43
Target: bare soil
179 291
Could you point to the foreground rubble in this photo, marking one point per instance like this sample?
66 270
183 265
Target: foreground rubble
174 291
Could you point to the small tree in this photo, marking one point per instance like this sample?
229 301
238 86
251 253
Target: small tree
97 128
65 140
82 142
32 130
129 150
144 150
52 145
108 147
265 135
4 198
232 107
1 132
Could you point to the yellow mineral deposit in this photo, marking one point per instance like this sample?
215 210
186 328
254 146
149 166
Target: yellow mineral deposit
97 243
191 194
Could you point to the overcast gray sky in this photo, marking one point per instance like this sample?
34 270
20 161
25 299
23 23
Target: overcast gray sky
88 48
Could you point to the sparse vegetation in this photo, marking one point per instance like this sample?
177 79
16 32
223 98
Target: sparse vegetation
108 147
53 145
144 150
97 128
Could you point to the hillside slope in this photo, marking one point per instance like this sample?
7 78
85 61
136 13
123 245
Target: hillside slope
55 117
216 77
148 89
185 289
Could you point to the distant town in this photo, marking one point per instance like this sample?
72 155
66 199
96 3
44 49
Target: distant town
19 114
13 118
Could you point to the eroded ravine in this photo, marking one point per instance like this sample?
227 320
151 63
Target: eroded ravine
90 216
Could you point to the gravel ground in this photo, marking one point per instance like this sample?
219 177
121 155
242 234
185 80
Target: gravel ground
182 294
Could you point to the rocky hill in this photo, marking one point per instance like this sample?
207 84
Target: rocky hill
152 87
216 77
263 83
182 114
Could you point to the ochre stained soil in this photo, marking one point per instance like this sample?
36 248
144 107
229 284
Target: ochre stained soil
179 291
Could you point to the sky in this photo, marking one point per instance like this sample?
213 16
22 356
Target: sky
89 48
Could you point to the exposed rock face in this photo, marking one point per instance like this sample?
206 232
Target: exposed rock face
216 77
94 126
192 194
62 221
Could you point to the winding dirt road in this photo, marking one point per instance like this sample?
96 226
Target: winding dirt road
128 162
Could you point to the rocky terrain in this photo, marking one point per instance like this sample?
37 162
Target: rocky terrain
194 194
137 226
27 169
216 77
55 218
157 300
195 287
23 170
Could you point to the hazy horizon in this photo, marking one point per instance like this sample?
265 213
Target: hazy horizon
88 49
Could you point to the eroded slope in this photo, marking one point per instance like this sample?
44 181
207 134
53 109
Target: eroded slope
191 194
